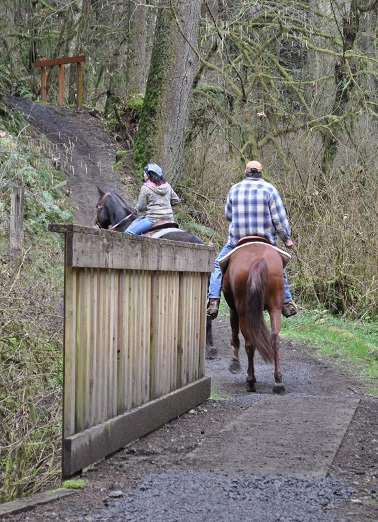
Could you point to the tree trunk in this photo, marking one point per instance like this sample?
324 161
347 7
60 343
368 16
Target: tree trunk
136 61
344 71
165 113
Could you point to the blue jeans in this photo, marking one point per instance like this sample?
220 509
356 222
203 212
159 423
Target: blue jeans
215 283
139 226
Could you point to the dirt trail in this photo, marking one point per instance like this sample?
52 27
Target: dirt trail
311 455
81 147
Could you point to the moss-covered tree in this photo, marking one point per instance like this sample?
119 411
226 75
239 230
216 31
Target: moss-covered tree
165 113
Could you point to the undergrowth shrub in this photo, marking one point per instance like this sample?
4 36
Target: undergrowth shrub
31 359
31 320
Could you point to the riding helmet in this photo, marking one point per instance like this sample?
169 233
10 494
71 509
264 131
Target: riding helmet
153 167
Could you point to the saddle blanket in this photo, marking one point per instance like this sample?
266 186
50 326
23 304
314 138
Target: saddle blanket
163 231
223 261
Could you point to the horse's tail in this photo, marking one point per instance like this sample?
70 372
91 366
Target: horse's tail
255 300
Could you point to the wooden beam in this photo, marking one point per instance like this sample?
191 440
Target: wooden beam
94 248
93 444
59 61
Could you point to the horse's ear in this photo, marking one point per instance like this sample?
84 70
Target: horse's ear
100 191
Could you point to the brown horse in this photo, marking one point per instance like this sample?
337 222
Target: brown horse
252 283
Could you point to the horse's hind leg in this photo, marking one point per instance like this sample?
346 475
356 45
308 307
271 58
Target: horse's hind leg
251 380
235 342
275 321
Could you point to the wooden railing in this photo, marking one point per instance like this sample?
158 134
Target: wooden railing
62 62
134 344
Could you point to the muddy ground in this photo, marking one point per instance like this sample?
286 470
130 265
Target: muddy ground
160 477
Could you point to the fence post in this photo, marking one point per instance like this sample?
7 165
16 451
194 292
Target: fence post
61 85
79 84
16 218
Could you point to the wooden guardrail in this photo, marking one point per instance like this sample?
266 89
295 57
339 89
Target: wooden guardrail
62 62
134 342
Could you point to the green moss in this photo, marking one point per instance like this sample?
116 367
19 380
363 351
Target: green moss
74 484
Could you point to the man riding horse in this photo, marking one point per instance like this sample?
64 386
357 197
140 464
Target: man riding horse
254 208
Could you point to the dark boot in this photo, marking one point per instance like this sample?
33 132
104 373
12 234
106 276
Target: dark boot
213 307
289 309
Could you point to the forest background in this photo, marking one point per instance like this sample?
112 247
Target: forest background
201 87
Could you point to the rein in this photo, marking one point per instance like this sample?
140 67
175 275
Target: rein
101 206
122 220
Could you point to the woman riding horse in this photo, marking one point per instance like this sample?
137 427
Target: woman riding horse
156 198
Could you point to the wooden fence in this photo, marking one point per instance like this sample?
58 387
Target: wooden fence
62 62
134 342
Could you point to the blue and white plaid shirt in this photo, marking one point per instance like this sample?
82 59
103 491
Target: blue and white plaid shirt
255 208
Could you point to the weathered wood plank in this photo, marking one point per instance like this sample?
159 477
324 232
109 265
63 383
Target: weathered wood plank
16 218
92 445
69 365
90 247
59 61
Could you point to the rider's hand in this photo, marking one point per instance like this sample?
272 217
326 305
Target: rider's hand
289 244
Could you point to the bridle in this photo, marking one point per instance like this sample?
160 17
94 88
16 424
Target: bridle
101 206
99 209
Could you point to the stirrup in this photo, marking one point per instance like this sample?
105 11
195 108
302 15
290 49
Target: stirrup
289 309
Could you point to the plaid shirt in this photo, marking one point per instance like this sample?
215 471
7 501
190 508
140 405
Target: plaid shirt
255 208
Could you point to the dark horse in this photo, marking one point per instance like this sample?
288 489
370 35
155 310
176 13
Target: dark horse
114 213
252 283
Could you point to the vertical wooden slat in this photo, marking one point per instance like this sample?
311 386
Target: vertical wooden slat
184 311
79 351
146 337
69 364
203 318
121 348
101 392
92 345
139 319
86 347
112 352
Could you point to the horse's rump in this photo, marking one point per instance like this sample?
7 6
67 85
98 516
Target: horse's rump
253 282
245 286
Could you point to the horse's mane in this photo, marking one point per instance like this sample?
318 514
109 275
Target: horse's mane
121 202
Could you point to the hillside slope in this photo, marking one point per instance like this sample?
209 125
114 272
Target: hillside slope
82 147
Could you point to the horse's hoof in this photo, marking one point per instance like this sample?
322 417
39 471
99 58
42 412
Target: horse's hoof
235 366
279 389
211 353
251 386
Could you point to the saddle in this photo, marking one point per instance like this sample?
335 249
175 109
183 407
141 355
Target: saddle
163 224
252 239
161 228
248 240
